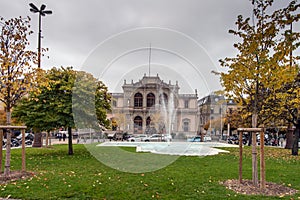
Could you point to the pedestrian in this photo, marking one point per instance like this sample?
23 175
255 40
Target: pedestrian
281 140
64 136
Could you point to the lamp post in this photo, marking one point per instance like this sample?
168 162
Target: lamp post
221 124
42 12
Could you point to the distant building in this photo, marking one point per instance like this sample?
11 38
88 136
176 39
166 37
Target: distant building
152 106
212 113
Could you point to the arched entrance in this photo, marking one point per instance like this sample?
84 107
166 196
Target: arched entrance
138 125
148 121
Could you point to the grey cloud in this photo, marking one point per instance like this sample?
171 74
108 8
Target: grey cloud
77 27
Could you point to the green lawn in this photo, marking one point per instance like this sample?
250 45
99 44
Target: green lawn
81 176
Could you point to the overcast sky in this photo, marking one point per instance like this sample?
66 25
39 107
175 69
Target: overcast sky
111 38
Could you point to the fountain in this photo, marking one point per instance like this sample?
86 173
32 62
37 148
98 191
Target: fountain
168 112
160 154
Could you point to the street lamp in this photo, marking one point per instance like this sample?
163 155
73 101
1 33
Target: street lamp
42 12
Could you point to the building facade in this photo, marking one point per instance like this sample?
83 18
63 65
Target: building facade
152 106
213 111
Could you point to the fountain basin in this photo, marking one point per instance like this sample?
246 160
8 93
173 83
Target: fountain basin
175 148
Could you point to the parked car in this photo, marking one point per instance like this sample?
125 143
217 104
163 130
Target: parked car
3 143
194 139
127 136
158 138
206 138
168 137
233 139
110 136
15 143
137 138
28 136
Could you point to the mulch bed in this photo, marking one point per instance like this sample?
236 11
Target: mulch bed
247 188
15 175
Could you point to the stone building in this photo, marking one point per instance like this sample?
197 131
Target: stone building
151 105
213 110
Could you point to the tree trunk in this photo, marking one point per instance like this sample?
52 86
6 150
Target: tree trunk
37 142
8 148
8 144
254 153
296 139
47 138
70 141
23 151
250 139
254 161
1 146
289 138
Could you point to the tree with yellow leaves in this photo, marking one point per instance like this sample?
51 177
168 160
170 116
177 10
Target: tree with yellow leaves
263 66
118 120
17 76
257 76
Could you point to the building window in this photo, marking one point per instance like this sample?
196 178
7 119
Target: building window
186 103
150 100
211 110
114 103
138 100
163 100
185 126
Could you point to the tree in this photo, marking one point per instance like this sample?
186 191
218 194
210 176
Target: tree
17 76
61 84
102 103
64 102
234 119
285 103
119 120
2 117
285 100
91 102
114 124
36 112
262 65
80 93
51 106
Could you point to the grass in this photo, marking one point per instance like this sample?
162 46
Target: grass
81 176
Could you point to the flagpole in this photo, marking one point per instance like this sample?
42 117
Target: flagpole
149 58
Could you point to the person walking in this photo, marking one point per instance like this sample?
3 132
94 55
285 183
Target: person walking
281 139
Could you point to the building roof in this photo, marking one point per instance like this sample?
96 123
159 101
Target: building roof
151 81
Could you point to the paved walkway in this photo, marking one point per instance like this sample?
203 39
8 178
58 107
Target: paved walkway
57 141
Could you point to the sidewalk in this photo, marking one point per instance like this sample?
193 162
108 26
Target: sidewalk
54 141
